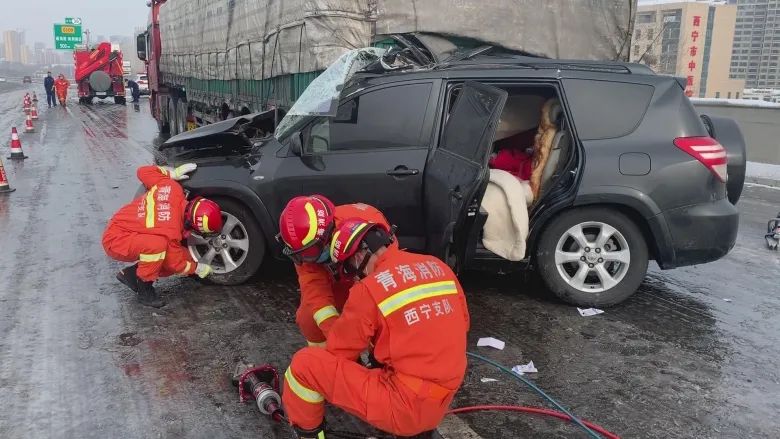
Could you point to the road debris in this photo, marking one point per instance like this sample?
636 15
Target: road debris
587 312
492 342
522 369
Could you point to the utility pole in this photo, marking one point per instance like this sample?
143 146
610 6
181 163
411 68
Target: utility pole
87 33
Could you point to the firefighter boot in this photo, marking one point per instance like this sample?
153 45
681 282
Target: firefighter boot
148 296
316 433
128 277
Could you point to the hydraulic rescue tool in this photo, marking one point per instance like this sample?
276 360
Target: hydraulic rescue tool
260 383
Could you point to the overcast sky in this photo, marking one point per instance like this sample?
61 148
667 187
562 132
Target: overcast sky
101 17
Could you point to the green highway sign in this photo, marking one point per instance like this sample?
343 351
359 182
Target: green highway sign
67 36
71 20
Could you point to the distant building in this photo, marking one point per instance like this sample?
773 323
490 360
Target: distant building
51 57
26 55
757 43
762 94
691 39
13 45
39 53
119 39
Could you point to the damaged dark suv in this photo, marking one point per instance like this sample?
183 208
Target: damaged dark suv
625 169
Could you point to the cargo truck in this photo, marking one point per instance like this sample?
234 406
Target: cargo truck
209 61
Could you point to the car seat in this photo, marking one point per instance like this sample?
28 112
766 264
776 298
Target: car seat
547 145
560 150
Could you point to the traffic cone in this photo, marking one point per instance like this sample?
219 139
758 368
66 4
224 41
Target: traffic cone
5 187
16 146
34 112
28 125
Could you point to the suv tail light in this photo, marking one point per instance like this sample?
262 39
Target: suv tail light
708 151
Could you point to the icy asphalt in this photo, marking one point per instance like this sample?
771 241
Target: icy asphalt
694 354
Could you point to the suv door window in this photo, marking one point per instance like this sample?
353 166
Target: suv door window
374 150
458 166
390 117
475 107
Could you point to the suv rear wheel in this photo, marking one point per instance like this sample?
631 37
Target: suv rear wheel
237 252
592 257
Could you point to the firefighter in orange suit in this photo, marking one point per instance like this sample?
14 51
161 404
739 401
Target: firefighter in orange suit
150 229
412 309
61 87
306 225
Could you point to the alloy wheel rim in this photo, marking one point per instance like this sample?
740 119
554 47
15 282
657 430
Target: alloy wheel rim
592 256
224 252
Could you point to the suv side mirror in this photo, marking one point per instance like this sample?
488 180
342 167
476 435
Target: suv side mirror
140 46
296 145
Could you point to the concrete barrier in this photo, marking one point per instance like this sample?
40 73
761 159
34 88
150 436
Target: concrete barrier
759 121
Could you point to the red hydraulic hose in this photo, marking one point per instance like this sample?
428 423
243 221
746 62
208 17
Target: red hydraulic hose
535 410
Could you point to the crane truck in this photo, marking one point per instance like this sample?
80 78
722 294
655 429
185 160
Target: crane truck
99 73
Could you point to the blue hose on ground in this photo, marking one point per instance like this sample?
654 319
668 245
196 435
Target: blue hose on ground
530 384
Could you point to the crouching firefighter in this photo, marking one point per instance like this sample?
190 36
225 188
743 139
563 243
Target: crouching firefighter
411 308
306 226
149 231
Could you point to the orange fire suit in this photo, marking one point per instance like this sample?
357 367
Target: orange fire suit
61 87
149 229
413 310
323 297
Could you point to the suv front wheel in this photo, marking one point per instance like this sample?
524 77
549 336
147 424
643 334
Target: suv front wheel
592 257
237 252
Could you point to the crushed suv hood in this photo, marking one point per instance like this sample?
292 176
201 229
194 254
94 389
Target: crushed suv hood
228 135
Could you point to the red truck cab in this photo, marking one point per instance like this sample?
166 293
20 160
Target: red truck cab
149 49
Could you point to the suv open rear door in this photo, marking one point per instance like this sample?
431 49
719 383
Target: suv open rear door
458 166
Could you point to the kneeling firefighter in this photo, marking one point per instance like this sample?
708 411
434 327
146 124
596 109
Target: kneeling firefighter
412 309
149 231
306 226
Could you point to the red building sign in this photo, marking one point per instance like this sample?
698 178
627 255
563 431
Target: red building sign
692 51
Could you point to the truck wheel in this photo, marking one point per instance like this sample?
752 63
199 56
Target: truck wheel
172 124
237 252
592 257
155 101
181 116
119 100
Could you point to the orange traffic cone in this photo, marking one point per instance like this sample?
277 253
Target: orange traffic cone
34 112
16 146
28 125
5 187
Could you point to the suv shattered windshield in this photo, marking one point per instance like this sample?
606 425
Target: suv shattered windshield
321 97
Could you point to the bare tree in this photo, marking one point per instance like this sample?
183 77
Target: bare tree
648 56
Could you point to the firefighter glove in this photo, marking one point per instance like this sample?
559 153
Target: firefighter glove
203 270
180 173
